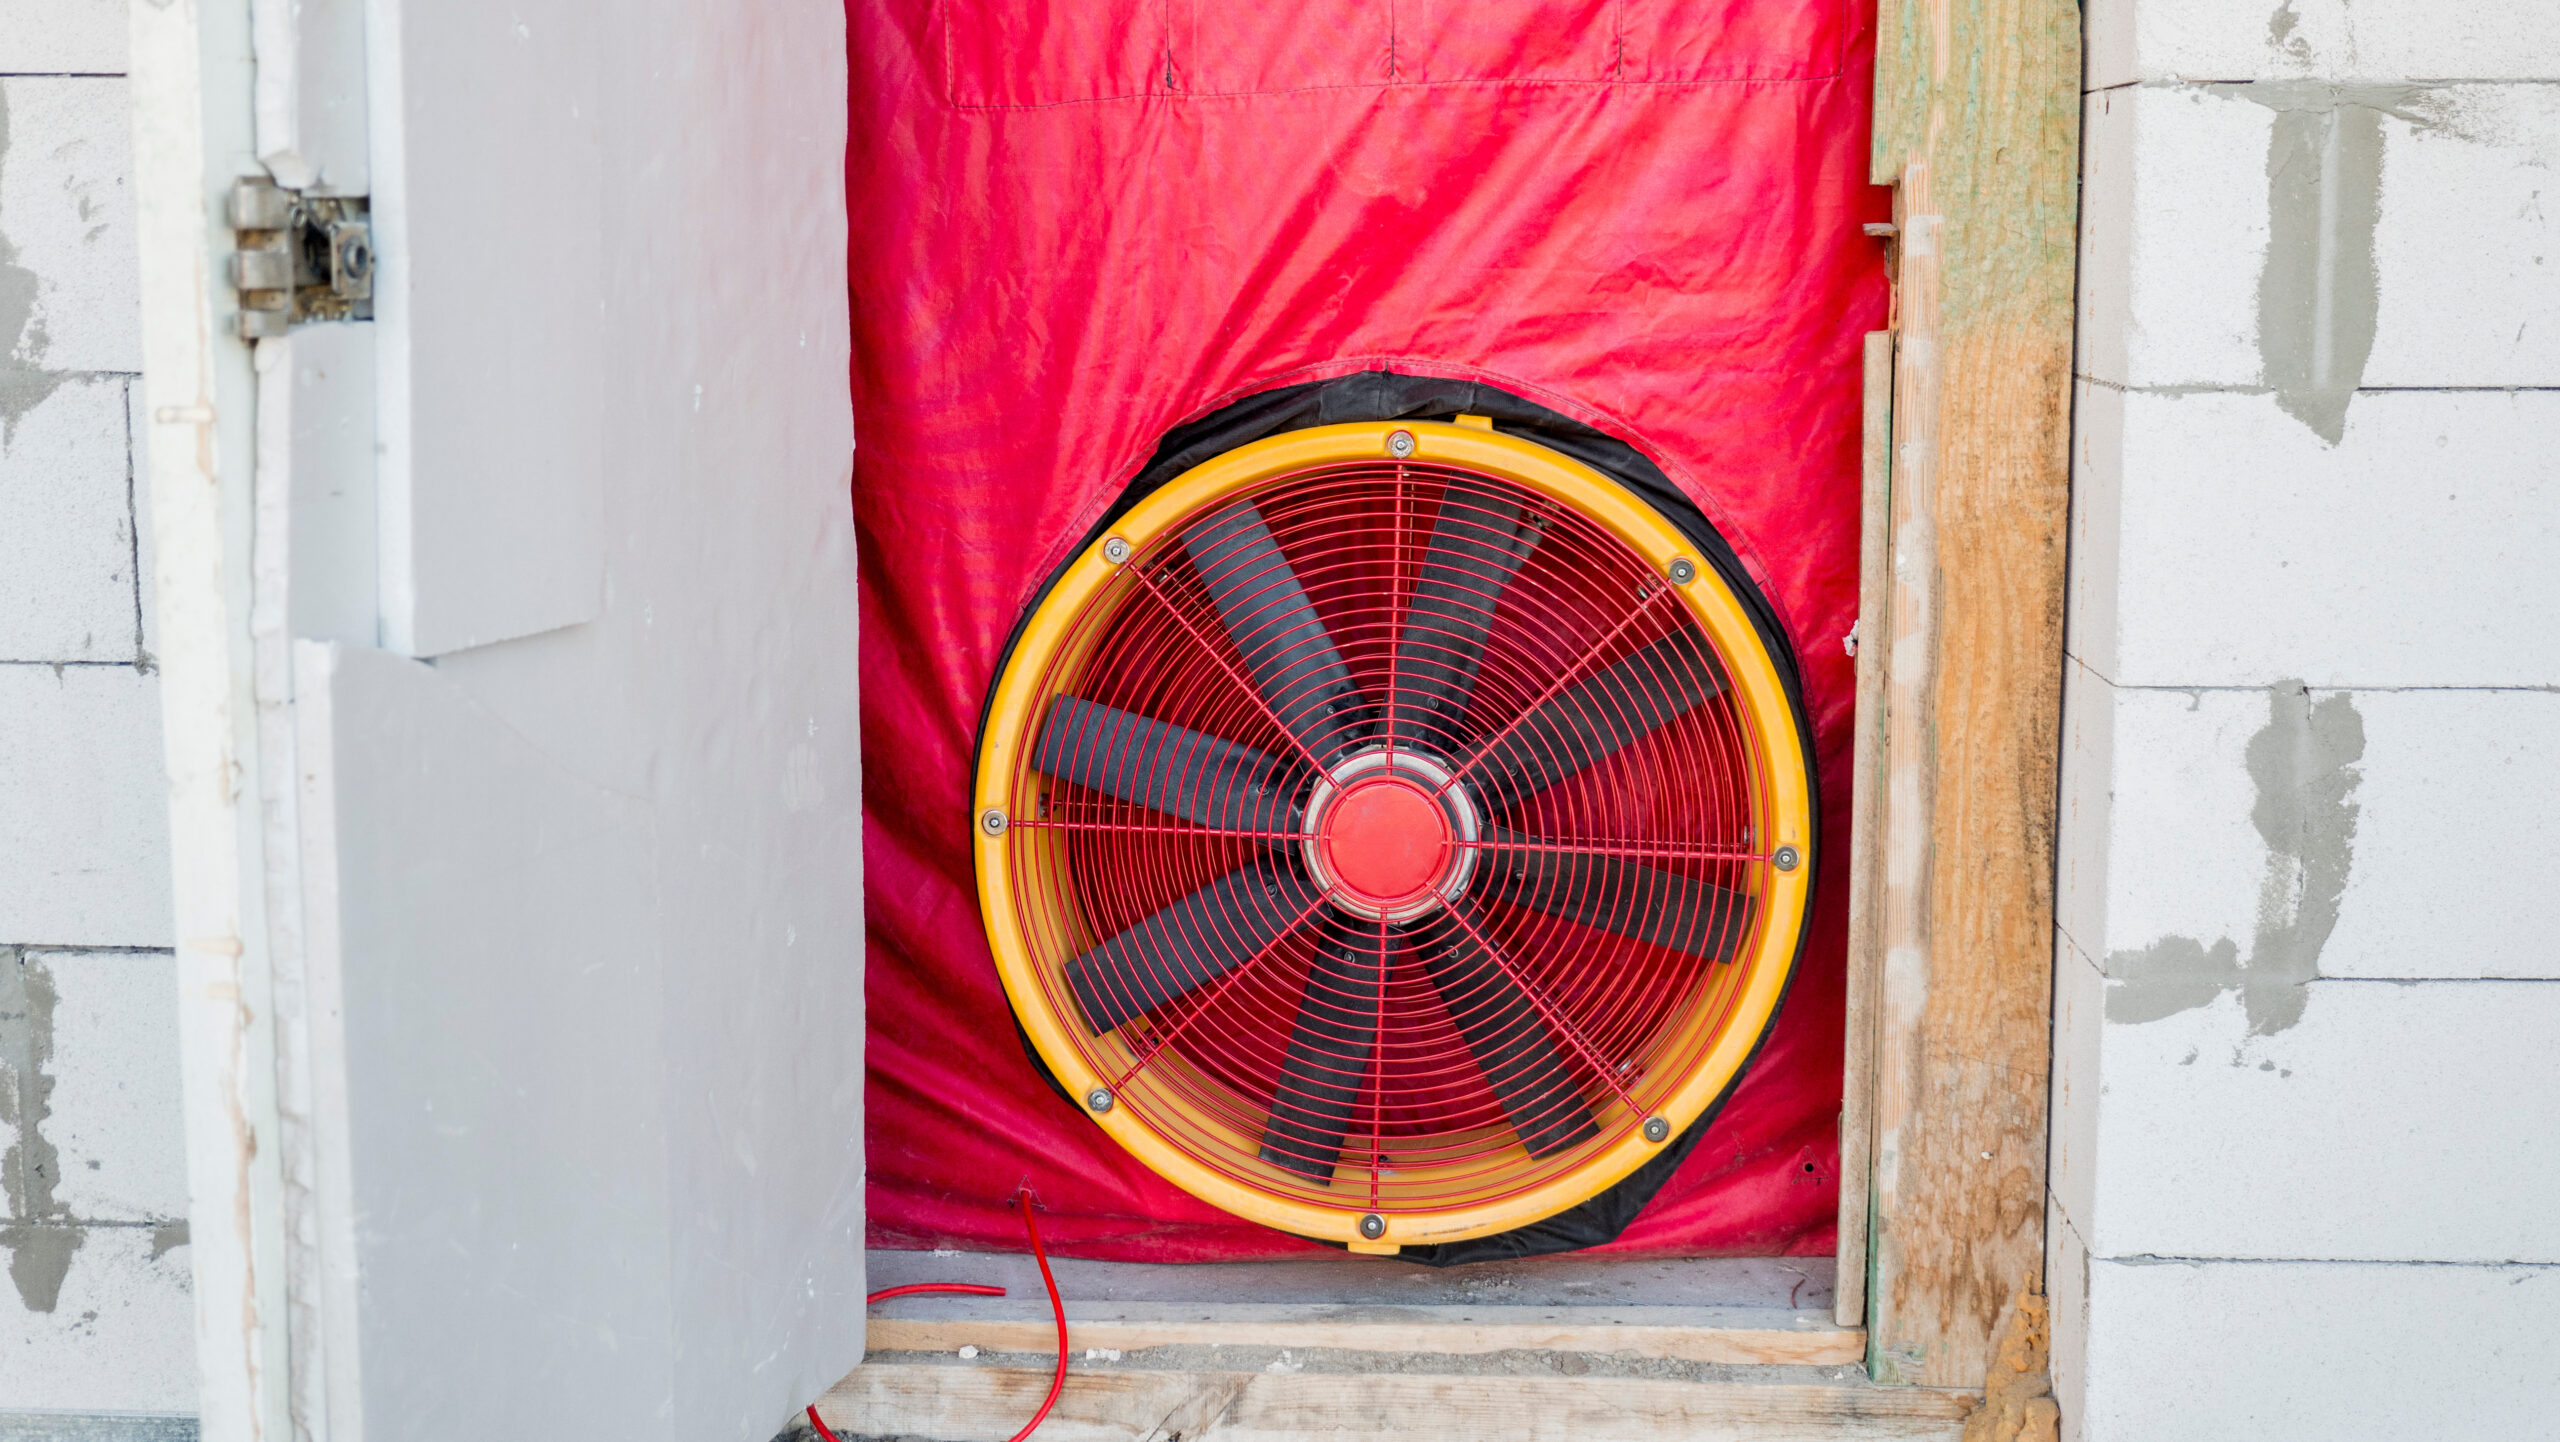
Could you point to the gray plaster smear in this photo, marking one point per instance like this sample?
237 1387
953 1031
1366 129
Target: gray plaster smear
24 382
2318 289
34 1233
2303 767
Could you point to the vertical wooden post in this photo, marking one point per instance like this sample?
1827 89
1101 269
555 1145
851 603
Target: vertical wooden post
1977 124
1866 834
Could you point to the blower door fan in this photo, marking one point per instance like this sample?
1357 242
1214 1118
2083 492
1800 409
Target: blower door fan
1393 832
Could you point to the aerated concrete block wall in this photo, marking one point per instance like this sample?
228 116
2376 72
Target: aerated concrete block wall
2307 999
94 1314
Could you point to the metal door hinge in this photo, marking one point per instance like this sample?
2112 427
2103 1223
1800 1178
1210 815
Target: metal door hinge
299 258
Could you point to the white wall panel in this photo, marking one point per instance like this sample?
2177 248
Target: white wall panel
2415 553
2079 1012
58 37
2163 842
2467 245
2174 230
113 1114
2254 1352
84 837
119 1337
66 527
2176 233
2447 857
2066 1284
2366 40
2457 863
66 219
2380 1125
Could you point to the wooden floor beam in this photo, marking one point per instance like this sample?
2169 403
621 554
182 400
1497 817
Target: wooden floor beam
950 1400
1684 1334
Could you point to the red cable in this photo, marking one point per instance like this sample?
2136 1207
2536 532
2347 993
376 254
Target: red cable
1059 1382
1056 1306
972 1288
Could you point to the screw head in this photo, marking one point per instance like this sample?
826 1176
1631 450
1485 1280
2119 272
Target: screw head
1115 550
992 821
1373 1226
1399 445
1657 1130
1683 571
1787 858
1098 1100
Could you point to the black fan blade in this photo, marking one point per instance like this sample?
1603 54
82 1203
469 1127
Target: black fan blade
1152 763
1521 1058
1619 895
1189 944
1284 641
1595 718
1327 1063
1477 545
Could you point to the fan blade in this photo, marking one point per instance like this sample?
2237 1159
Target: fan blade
1327 1062
1189 944
1521 1059
1619 895
1595 718
1285 644
1200 778
1477 545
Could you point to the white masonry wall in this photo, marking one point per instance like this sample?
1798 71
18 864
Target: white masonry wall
2306 1170
94 1316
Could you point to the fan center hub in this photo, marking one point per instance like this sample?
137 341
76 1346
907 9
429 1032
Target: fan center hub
1385 835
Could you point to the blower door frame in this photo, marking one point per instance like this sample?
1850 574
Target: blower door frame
1786 807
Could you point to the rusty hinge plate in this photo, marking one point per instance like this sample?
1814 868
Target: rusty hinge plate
299 258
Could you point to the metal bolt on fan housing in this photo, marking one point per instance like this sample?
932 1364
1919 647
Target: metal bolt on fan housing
1384 832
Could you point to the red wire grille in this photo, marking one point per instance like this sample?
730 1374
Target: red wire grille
1388 838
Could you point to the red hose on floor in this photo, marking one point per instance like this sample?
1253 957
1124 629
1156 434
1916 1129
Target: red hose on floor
1057 1307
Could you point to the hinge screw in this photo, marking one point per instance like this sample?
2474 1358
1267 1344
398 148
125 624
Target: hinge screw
992 821
1657 1130
1683 571
1399 445
1098 1100
1373 1226
1115 550
1786 858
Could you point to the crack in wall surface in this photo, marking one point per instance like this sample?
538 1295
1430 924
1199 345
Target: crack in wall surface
2303 764
39 1245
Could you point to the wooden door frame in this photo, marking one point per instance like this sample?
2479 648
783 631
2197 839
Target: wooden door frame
1949 1047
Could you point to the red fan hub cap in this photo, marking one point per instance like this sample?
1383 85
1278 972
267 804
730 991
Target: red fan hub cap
1386 835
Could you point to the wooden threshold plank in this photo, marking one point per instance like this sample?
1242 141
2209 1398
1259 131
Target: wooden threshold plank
1740 1335
962 1402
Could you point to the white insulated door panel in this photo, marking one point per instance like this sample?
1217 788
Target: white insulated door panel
488 183
487 1012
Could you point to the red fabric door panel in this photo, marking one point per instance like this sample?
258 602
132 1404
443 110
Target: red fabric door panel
1446 40
1039 293
1223 48
1049 52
